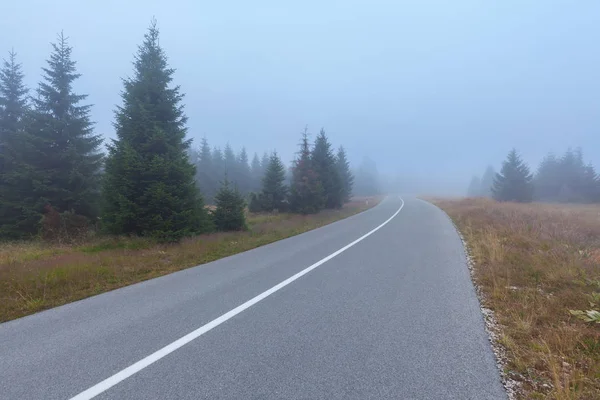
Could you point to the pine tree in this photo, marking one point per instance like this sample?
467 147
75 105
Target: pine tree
264 164
274 192
17 205
66 153
547 180
229 214
514 182
487 181
149 187
367 180
324 165
571 177
218 164
244 175
474 187
256 173
306 191
230 162
343 169
591 185
205 177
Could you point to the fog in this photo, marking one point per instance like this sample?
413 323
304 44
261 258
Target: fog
433 91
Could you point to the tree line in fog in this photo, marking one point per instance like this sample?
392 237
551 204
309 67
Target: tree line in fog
57 180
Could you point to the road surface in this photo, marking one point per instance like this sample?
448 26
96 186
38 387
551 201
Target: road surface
377 306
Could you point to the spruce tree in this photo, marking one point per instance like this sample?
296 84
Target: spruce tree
306 191
547 180
514 182
244 175
591 185
487 181
230 162
367 181
66 153
149 187
229 214
256 173
474 187
218 164
324 165
274 192
264 164
18 216
346 177
206 180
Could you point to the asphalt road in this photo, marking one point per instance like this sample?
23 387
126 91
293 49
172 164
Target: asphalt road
393 316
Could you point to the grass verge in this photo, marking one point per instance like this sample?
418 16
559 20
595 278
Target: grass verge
35 276
533 263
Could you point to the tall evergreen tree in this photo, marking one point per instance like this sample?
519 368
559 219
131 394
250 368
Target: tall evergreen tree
547 180
205 177
264 164
244 175
367 180
149 187
274 192
306 191
66 153
487 181
474 187
257 173
346 177
591 184
230 161
229 214
218 164
17 205
514 182
324 165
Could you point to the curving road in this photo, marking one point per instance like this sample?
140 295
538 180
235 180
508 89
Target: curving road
377 306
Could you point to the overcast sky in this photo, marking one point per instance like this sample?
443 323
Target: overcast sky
434 90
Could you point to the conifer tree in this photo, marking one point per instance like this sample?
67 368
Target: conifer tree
18 216
346 177
547 180
324 165
264 163
218 164
229 214
207 181
66 154
256 173
306 191
274 192
230 161
474 187
367 181
514 182
149 187
244 175
487 181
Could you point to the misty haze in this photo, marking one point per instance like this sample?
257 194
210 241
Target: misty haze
323 200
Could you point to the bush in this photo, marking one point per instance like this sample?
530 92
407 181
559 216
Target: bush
65 227
229 213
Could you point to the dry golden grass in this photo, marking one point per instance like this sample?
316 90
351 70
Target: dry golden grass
533 263
35 276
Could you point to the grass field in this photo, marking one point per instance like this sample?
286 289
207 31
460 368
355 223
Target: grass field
35 276
533 263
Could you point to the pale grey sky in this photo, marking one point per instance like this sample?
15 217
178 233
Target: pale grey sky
434 90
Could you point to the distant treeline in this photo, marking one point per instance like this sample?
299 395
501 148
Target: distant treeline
55 179
565 179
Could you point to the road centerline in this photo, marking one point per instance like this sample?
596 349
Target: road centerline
136 367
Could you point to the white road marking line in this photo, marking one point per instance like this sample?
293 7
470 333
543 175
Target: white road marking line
154 357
